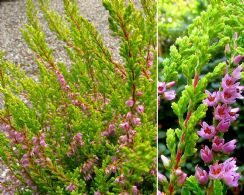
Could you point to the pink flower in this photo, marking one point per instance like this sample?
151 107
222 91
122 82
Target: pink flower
140 109
221 112
229 95
230 176
181 176
125 126
223 125
237 59
161 177
136 121
228 82
212 99
71 187
217 144
161 87
216 171
78 139
233 113
25 161
229 146
128 115
207 131
97 193
139 93
201 175
206 154
169 95
135 191
129 103
231 179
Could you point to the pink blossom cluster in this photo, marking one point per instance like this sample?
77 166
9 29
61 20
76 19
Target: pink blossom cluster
112 167
76 142
110 131
66 88
223 115
164 92
88 168
149 58
14 136
131 121
71 187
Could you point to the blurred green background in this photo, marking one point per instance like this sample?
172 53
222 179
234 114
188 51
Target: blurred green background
174 18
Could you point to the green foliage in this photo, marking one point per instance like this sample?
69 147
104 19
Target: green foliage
63 102
217 187
193 186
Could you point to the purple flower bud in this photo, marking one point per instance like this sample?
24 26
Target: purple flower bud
229 146
207 131
140 109
212 99
139 93
161 87
201 175
237 59
216 171
206 154
161 177
71 187
170 84
169 95
181 176
223 125
129 103
135 191
129 115
227 48
236 74
136 121
217 144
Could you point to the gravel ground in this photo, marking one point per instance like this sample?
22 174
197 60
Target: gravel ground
13 18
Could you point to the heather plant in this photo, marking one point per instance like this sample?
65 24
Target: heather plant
87 128
204 111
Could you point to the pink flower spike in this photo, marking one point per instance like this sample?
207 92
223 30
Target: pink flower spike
212 99
237 59
136 121
129 103
236 74
206 154
181 176
217 144
169 95
229 146
161 87
140 109
223 125
216 171
207 131
201 175
128 115
125 126
221 112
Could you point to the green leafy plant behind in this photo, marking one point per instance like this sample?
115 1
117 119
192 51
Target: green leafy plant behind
88 128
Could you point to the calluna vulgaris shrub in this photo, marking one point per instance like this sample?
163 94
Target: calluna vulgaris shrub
89 128
219 27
